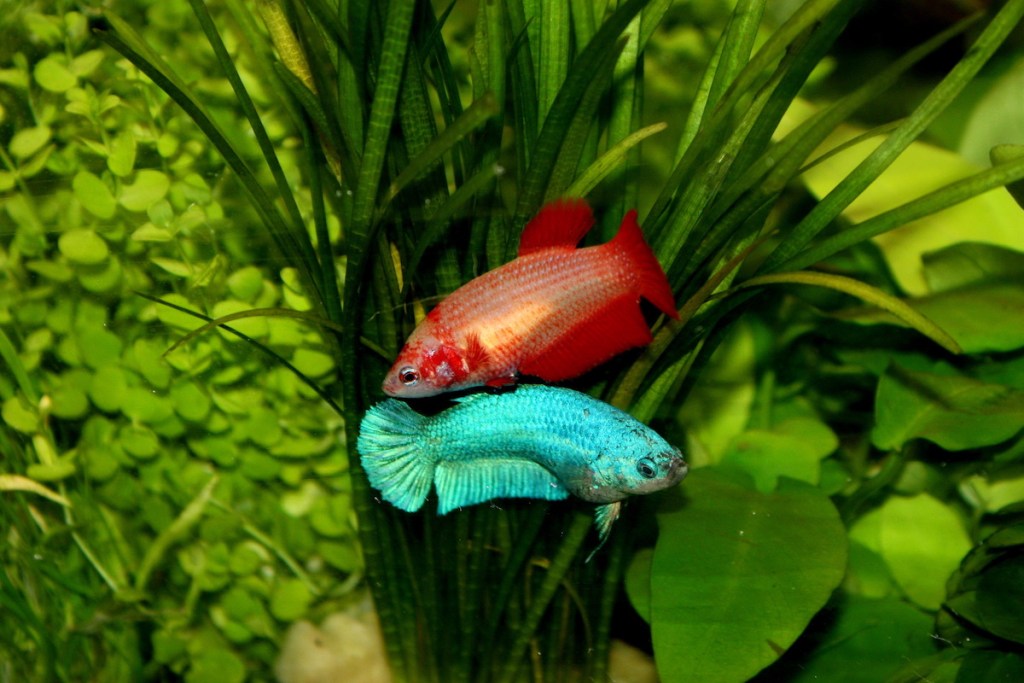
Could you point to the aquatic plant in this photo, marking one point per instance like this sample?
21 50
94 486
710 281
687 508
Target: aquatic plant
388 152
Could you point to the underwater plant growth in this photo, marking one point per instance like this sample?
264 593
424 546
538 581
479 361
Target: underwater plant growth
220 220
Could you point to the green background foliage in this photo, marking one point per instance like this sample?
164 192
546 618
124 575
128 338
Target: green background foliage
854 509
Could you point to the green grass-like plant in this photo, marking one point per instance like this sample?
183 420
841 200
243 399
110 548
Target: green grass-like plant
414 156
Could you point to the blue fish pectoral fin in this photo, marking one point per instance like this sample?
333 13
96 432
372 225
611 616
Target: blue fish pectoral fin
389 450
468 482
604 517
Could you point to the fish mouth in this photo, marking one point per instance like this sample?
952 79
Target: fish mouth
677 467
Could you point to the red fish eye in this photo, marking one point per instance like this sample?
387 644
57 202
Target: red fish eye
409 376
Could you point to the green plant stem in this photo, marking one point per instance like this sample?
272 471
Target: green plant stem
868 170
933 202
567 550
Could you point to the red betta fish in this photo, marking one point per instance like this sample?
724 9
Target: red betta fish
554 312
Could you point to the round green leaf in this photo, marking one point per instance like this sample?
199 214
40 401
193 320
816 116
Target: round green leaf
145 406
101 278
94 194
53 75
149 187
28 141
216 665
83 246
19 415
312 363
289 599
245 284
107 387
737 574
99 347
190 402
121 161
69 402
922 542
139 441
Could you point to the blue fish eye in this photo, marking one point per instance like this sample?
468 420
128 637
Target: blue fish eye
646 468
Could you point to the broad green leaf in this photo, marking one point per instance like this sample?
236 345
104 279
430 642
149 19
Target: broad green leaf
27 141
718 409
968 263
991 665
94 194
1000 596
974 317
139 441
867 642
793 448
872 295
53 74
996 118
738 574
87 62
993 493
83 246
954 412
149 187
638 582
922 541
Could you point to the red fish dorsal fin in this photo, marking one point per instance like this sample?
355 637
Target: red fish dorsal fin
561 223
653 285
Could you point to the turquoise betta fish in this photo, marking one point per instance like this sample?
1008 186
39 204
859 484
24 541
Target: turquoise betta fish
534 442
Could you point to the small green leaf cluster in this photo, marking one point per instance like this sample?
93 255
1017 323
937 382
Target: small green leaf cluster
204 500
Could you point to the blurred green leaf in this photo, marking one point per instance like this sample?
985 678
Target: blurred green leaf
638 582
53 74
954 412
982 665
150 186
793 448
922 541
94 194
738 574
27 141
866 641
84 246
289 599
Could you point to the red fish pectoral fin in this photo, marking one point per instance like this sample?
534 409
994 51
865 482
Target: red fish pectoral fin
653 284
561 223
498 382
618 326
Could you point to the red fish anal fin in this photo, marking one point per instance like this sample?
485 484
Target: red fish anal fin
616 327
561 223
653 285
498 382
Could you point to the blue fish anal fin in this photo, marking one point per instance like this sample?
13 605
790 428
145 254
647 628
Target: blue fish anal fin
604 517
390 452
561 223
468 482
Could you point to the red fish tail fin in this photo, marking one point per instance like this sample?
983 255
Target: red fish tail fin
652 281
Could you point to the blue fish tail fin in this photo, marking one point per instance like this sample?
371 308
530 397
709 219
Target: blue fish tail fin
389 449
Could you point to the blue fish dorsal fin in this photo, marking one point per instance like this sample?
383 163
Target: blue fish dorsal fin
561 223
468 482
389 449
